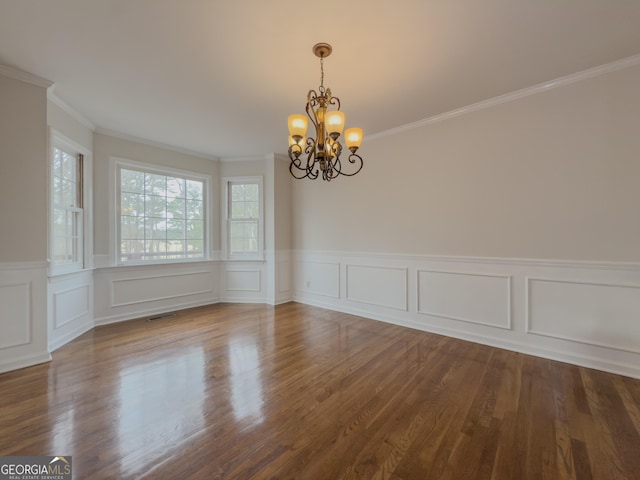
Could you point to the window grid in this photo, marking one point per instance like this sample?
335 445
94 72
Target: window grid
161 217
66 172
244 215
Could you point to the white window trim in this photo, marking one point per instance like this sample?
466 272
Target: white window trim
57 140
226 181
116 163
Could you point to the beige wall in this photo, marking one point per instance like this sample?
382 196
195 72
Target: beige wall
106 146
282 201
555 175
23 171
68 126
243 168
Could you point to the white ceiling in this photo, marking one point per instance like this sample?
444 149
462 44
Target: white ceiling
220 77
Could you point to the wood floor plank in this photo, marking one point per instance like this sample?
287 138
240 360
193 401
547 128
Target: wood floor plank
605 461
298 392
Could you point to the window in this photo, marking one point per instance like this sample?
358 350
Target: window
161 215
243 207
67 236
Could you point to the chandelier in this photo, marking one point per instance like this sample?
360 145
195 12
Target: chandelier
322 152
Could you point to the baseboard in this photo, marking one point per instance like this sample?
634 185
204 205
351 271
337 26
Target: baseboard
619 368
75 333
152 311
25 361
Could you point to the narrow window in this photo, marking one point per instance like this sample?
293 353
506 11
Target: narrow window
67 213
244 218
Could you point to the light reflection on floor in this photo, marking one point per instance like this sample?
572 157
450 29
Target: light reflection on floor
161 402
247 396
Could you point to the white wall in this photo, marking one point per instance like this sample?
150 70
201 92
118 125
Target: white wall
246 281
125 292
23 216
268 280
70 296
514 225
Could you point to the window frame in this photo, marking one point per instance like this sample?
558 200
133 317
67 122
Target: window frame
227 220
81 211
121 163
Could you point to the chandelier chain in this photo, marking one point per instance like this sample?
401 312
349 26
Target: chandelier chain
322 72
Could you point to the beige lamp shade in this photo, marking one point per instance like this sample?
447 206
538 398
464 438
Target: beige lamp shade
298 125
353 137
334 122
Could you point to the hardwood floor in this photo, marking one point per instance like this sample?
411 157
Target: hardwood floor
293 391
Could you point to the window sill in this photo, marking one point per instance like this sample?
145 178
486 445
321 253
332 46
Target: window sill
256 259
182 263
162 262
155 265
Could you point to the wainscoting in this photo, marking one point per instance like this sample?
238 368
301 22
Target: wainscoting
39 314
23 315
123 293
70 307
581 313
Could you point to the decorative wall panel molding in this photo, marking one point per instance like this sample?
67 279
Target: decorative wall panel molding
15 314
243 281
525 305
143 289
70 305
318 278
125 293
467 297
600 314
379 286
23 315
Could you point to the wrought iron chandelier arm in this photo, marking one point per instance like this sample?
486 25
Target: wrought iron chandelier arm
355 159
296 163
298 172
312 101
334 100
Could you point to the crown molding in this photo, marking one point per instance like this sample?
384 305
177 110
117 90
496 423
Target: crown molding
518 94
75 114
152 143
25 76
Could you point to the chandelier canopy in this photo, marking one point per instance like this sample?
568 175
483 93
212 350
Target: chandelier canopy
322 152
